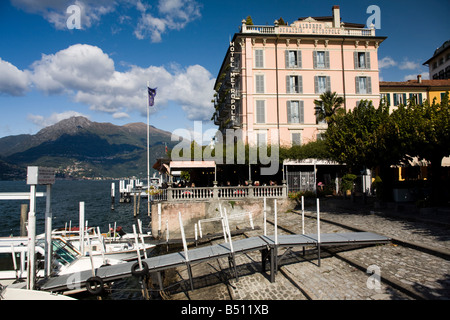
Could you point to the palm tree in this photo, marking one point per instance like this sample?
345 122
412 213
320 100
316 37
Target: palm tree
328 106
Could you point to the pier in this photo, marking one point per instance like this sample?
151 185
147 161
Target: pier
267 245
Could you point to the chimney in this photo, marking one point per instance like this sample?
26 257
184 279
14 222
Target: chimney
336 17
419 78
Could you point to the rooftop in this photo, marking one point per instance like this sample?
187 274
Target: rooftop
325 25
416 83
445 46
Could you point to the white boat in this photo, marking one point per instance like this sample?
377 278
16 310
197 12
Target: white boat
65 260
111 246
13 293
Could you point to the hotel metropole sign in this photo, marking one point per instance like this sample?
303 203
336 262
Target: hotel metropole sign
234 74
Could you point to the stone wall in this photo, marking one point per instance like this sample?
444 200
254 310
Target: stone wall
193 211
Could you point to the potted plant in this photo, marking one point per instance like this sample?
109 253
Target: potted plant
347 183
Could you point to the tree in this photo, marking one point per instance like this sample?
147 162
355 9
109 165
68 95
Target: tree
424 132
249 21
363 139
328 106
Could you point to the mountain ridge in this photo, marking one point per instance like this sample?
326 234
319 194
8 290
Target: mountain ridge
80 148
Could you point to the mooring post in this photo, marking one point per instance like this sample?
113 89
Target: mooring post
186 256
318 231
303 220
159 219
265 217
113 195
23 219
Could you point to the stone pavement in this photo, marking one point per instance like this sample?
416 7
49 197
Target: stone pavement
299 277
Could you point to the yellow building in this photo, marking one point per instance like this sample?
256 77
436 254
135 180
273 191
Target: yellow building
396 93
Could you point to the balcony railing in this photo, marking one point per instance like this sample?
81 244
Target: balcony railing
208 193
357 32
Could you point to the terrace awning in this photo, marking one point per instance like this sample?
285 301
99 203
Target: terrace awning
186 165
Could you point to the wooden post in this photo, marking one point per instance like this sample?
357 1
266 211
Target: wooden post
23 219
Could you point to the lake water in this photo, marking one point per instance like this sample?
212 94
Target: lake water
66 196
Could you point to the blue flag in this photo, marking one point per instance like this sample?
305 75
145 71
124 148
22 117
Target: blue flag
151 96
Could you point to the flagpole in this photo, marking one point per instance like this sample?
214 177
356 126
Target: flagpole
148 155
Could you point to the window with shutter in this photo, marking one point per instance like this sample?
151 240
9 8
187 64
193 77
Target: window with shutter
259 58
296 138
293 58
260 111
363 85
295 112
320 83
362 60
261 138
294 84
259 79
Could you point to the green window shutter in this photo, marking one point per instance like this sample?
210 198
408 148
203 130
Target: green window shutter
288 84
355 58
404 99
420 99
316 84
327 59
328 85
315 60
367 60
357 85
369 85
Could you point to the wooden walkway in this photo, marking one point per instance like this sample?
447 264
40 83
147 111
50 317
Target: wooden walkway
267 245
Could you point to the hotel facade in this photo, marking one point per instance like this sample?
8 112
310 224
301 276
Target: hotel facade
271 76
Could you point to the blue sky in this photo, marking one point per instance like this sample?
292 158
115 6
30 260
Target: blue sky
49 72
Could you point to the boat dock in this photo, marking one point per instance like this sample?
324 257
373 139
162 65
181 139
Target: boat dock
267 245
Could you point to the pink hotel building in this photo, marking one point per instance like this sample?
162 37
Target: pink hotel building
271 76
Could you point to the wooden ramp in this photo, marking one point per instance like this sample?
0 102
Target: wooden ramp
268 245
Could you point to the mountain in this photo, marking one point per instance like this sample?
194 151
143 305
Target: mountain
78 147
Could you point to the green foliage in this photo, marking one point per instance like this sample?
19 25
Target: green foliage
297 195
347 181
328 107
249 21
359 137
316 149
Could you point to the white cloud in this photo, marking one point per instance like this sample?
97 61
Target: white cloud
42 121
13 81
425 76
173 15
88 75
386 62
121 115
54 11
409 65
152 23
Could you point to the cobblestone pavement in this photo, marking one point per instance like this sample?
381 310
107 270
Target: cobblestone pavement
300 278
